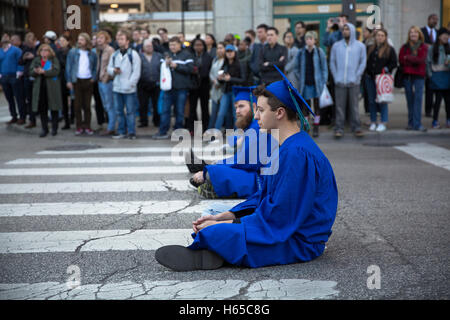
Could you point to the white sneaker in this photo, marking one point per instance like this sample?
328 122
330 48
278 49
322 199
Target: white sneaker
373 127
381 128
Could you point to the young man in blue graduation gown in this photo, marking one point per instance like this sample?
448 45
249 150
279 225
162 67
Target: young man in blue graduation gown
237 176
289 220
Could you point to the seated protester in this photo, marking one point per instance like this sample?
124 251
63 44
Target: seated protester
289 220
237 176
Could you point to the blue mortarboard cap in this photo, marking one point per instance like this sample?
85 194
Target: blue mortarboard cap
230 47
287 94
243 93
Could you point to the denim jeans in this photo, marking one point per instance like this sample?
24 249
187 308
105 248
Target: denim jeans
414 86
177 98
13 89
374 106
213 115
106 94
215 208
226 110
128 122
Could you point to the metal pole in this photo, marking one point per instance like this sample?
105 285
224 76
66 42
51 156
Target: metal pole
182 15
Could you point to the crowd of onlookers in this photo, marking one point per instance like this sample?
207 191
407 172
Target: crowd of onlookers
57 79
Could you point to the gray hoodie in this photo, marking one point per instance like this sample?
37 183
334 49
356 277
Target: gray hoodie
348 61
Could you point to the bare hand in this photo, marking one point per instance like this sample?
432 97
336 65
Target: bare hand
198 177
202 220
173 65
227 77
204 225
69 85
117 71
266 64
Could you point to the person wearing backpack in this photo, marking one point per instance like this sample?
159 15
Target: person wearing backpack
125 66
312 72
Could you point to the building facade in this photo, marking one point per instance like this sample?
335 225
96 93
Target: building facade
13 16
236 16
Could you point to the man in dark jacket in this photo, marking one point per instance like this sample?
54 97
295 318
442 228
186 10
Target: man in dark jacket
257 47
430 37
181 65
272 54
29 53
148 86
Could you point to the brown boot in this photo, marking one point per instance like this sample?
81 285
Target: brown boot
30 125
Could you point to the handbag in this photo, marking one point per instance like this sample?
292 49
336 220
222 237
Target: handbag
440 80
385 87
166 78
398 79
325 99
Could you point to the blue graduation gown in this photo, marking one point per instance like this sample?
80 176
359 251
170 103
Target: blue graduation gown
238 174
293 216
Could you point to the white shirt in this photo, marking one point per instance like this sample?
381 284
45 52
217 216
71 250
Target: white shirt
84 72
433 32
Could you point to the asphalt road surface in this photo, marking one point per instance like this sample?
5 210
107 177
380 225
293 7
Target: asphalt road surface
84 223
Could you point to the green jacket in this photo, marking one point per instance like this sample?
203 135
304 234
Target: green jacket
53 84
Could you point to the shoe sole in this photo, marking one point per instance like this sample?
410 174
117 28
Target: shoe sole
179 258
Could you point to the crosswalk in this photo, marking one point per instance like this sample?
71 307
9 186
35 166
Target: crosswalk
162 191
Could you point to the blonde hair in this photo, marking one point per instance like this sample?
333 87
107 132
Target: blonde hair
417 29
46 46
86 37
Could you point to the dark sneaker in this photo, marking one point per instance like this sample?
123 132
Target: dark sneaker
132 136
43 134
338 134
436 124
89 132
179 258
359 133
192 162
119 136
422 129
315 131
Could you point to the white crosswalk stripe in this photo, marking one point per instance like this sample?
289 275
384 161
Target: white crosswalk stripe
92 240
90 187
106 208
429 153
92 171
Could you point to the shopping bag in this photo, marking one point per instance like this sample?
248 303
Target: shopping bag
166 78
325 98
385 87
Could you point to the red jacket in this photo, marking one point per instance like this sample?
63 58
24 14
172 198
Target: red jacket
411 64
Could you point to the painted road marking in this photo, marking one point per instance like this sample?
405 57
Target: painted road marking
429 153
106 208
92 240
89 187
283 289
92 171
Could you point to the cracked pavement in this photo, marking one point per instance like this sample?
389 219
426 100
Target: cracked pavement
393 213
